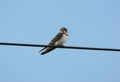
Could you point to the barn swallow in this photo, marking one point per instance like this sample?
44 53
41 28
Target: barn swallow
58 40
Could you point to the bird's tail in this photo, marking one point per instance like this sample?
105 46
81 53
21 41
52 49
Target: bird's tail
47 50
42 49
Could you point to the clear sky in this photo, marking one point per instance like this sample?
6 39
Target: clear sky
93 23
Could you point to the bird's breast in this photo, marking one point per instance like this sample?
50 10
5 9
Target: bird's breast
62 40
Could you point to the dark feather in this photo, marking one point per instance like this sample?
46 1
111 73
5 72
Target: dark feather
48 49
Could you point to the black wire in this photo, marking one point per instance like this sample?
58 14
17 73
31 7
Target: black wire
67 47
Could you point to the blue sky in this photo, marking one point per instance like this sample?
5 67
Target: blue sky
93 23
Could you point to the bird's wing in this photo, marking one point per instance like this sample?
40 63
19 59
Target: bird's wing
56 38
52 42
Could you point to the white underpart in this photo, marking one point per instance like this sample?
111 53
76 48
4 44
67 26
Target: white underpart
62 40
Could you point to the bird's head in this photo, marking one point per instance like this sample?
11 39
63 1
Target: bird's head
63 30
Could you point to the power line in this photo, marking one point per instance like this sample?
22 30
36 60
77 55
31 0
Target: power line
67 47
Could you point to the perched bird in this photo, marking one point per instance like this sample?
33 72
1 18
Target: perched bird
58 40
